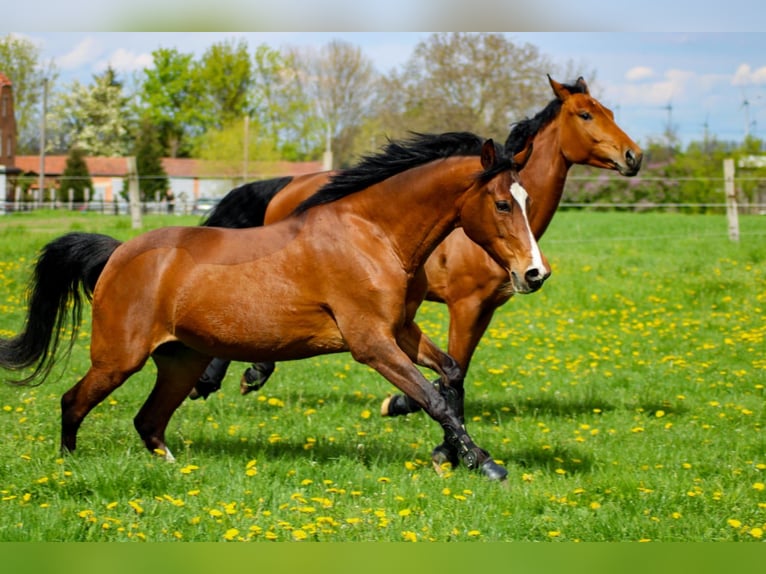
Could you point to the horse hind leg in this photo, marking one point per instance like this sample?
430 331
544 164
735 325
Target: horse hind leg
255 376
178 369
77 402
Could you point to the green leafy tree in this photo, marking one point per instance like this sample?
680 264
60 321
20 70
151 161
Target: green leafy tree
223 79
168 96
20 62
152 178
76 177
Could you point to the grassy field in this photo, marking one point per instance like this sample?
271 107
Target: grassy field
626 399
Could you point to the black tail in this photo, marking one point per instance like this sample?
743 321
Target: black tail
65 268
245 206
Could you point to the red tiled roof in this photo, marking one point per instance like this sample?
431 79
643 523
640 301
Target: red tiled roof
55 164
174 167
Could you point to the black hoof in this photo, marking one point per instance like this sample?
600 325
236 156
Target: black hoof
203 388
493 471
398 405
255 377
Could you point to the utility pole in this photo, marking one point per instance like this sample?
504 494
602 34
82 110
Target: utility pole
41 182
247 146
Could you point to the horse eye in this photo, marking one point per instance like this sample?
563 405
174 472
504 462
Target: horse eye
585 115
503 206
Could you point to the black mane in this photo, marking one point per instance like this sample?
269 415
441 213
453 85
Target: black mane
525 130
399 156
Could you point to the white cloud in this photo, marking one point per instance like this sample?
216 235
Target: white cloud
87 50
639 73
122 60
746 75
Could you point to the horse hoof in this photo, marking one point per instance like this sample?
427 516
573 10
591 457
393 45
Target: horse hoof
493 471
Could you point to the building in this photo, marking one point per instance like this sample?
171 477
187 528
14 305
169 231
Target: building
7 140
7 123
191 180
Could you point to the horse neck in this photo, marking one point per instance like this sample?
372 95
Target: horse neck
544 177
419 208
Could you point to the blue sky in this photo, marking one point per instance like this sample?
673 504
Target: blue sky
695 80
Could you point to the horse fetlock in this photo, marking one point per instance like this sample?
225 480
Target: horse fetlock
444 454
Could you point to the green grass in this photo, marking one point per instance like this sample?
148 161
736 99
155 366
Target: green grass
626 399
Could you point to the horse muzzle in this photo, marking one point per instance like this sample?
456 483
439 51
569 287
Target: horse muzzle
532 280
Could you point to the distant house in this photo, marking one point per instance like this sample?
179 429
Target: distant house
190 179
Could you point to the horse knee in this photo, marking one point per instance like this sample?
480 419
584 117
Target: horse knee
452 369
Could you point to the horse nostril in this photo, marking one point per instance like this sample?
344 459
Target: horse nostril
535 278
633 160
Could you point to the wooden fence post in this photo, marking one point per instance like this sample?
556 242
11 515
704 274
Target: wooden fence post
731 199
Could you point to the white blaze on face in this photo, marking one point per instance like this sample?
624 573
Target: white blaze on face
520 195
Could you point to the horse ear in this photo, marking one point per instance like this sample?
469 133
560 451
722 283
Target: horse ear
521 158
488 155
580 83
561 92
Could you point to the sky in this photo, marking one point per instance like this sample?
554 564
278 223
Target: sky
694 81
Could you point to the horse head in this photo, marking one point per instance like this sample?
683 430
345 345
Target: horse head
588 133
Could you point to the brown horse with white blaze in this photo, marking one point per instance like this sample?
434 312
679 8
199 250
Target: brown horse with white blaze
573 128
343 273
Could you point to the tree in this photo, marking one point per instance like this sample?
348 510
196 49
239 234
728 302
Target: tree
223 78
152 178
169 98
472 81
20 62
76 177
95 118
281 107
340 79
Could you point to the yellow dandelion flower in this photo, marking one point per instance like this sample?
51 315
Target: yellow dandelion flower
405 512
271 535
446 491
409 536
353 520
474 533
756 532
366 414
300 534
595 505
384 479
215 513
554 533
734 523
527 477
231 534
135 506
759 486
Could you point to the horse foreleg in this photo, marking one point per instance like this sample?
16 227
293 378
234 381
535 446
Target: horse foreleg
394 364
177 371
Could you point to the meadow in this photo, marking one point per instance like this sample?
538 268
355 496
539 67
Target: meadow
626 399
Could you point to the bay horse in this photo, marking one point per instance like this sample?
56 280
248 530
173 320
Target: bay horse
343 273
573 128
